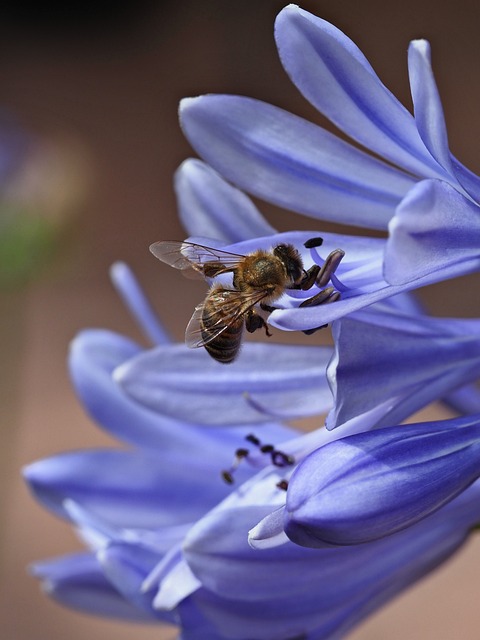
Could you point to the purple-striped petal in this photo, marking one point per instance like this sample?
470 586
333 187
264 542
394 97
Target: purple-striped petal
94 355
435 230
430 120
403 361
129 488
334 587
125 566
210 207
77 581
370 485
135 300
427 105
291 162
333 74
265 382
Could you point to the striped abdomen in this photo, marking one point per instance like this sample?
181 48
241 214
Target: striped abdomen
225 346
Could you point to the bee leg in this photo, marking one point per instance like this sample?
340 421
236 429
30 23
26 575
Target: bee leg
267 307
212 268
253 321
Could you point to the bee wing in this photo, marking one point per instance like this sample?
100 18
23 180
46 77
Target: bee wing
193 259
234 306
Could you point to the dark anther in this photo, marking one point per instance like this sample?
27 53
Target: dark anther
267 448
323 297
227 477
283 485
330 266
280 459
240 454
253 439
312 243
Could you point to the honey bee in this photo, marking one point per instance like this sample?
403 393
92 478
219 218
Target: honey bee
259 278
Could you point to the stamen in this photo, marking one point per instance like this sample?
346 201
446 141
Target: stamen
278 458
227 474
313 242
329 267
323 297
267 448
283 485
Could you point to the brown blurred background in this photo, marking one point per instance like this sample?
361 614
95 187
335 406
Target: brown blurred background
105 84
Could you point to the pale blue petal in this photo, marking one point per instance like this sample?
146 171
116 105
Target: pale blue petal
291 162
333 587
94 355
406 361
129 488
77 581
210 207
469 180
125 566
435 230
370 485
333 74
139 306
266 381
429 117
427 105
465 400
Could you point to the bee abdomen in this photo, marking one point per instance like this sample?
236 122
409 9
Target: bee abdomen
226 345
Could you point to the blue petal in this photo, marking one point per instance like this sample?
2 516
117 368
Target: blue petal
293 590
435 230
126 566
266 381
78 582
333 74
94 355
370 485
291 162
465 400
210 207
427 104
135 299
430 119
129 489
403 361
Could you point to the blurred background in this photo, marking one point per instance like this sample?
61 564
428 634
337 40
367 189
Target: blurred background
89 142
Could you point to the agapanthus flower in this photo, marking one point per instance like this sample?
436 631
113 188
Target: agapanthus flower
219 517
157 555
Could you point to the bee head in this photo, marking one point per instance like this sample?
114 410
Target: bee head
291 260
